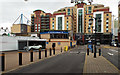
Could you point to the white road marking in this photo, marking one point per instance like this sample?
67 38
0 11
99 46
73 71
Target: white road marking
110 54
113 50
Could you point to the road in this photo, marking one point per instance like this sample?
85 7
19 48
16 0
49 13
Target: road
112 54
69 62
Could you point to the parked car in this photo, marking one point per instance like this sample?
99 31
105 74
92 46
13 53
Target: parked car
115 44
28 48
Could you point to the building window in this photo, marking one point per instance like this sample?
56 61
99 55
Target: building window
52 18
107 19
107 23
35 27
106 30
67 25
38 25
53 25
36 30
107 14
68 11
86 10
67 17
106 26
89 10
59 23
39 30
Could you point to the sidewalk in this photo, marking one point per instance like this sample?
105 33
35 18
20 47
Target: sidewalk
98 65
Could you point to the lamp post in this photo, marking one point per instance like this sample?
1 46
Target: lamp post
91 20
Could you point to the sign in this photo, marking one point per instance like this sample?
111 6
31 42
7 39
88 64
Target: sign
54 32
58 43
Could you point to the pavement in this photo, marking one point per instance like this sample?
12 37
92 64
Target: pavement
98 65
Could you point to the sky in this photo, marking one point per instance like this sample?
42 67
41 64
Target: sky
11 9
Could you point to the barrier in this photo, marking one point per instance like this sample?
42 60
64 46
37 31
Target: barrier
50 51
3 61
54 50
20 58
40 53
46 52
31 56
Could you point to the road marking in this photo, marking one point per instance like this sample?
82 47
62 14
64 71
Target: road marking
110 54
113 50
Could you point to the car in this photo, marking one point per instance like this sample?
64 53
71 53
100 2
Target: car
115 44
28 48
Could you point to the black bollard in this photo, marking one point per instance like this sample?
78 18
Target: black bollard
20 58
3 62
40 53
61 49
54 50
31 56
50 52
99 52
87 51
46 52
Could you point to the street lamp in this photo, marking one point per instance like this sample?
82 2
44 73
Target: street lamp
91 20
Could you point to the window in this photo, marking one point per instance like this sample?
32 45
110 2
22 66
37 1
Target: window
35 27
107 14
86 10
107 19
36 30
35 24
39 30
67 17
59 23
68 11
53 25
89 10
107 23
67 25
106 26
52 18
106 30
38 25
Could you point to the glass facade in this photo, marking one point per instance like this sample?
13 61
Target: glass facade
98 22
80 20
59 23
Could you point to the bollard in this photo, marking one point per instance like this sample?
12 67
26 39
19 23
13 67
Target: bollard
46 52
20 58
99 52
3 61
87 51
61 49
40 53
50 52
31 56
54 50
92 48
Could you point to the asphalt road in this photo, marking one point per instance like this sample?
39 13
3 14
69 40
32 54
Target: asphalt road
69 62
113 55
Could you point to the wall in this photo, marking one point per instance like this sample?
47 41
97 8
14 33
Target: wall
16 28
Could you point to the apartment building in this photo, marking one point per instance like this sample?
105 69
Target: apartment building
62 19
40 21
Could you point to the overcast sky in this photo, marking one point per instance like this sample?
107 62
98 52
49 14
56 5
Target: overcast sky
11 9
